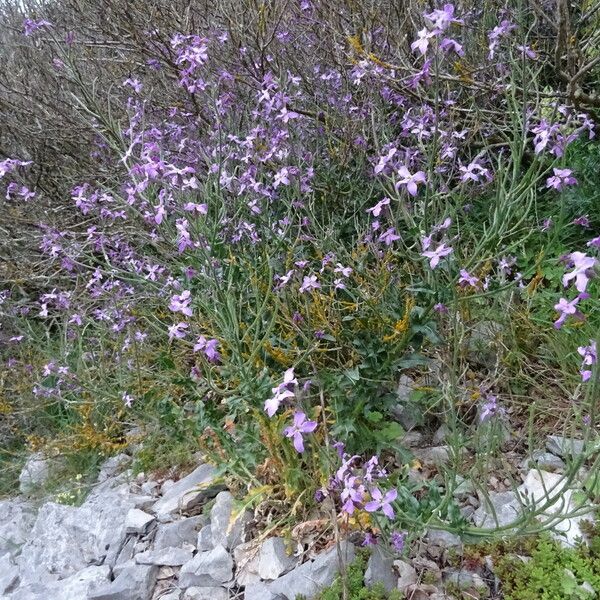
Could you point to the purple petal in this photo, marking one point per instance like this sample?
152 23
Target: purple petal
391 496
271 406
308 427
376 494
298 442
299 419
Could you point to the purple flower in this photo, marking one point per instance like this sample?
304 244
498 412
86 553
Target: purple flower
489 408
209 347
381 502
548 137
415 80
426 241
11 164
528 52
595 242
565 308
283 280
48 369
281 177
397 540
582 221
449 45
127 399
441 308
178 330
422 42
506 263
326 260
383 161
353 494
372 470
442 19
590 358
184 240
560 179
497 33
389 236
345 271
281 392
376 210
285 115
409 180
473 171
75 319
181 303
320 495
582 271
299 427
547 224
436 255
30 26
201 209
339 448
467 279
369 540
309 283
445 224
134 83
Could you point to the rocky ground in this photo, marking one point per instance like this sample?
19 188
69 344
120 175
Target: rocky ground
135 538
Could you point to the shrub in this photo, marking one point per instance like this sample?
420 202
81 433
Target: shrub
255 247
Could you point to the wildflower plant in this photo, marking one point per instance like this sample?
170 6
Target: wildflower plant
262 246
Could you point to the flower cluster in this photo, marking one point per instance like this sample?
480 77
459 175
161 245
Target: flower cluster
583 269
438 21
300 425
357 486
589 355
356 483
441 250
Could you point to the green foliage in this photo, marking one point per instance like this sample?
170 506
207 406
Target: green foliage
552 573
352 343
355 585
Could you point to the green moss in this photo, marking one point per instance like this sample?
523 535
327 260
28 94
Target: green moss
356 586
552 572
